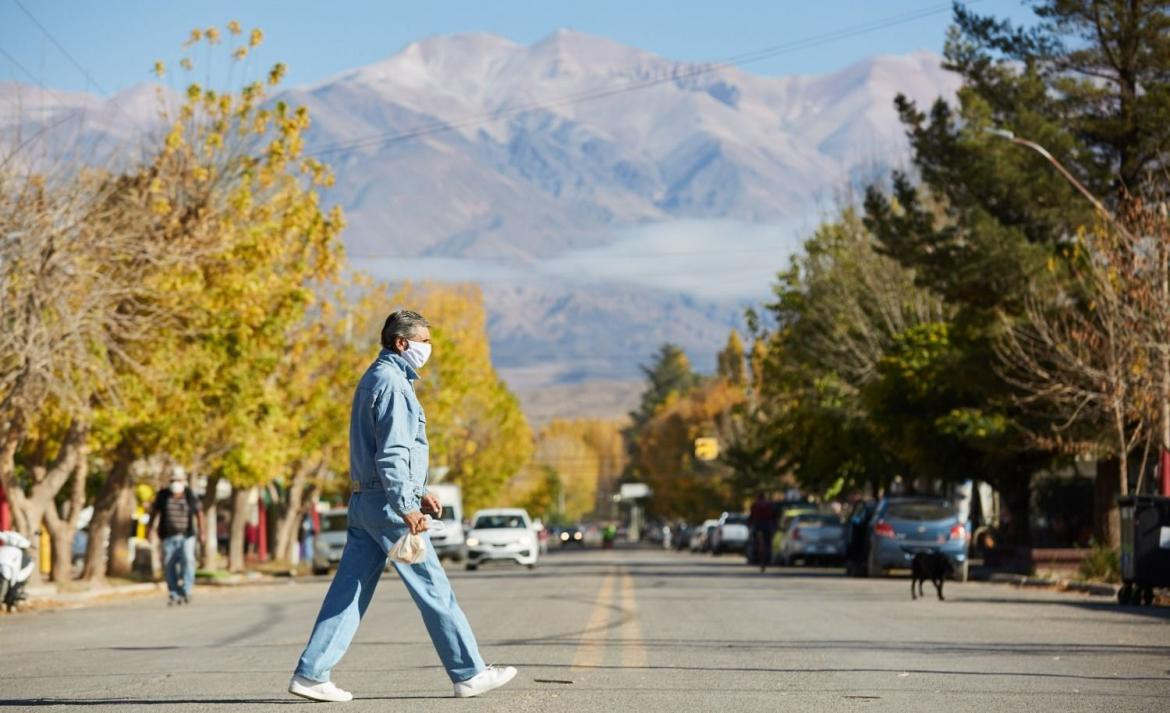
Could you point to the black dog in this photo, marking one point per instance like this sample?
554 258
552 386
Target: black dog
934 566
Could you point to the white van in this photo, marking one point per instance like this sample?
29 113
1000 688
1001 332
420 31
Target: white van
449 543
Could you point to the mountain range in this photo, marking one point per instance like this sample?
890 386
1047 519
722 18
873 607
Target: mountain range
608 199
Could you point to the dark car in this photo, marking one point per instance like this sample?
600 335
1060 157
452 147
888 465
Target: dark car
571 536
900 528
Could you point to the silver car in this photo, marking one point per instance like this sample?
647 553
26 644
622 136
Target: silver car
813 537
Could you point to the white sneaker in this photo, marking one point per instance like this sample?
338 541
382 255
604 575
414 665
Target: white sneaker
314 691
486 680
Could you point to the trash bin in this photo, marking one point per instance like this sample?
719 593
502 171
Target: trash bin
1145 547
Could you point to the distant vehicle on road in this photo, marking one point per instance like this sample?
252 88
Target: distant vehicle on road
786 519
902 527
730 534
700 537
502 534
681 536
813 537
449 542
571 536
330 541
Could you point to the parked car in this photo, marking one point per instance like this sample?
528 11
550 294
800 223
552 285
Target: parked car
450 541
730 534
501 534
330 541
902 527
700 537
681 536
813 537
786 519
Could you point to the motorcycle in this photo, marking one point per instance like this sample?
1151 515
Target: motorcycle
16 566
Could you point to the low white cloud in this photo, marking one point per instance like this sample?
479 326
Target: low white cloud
707 259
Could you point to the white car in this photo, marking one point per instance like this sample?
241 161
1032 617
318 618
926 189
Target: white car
731 534
502 534
330 541
449 542
699 536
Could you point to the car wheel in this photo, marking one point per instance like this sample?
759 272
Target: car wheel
531 567
470 567
320 571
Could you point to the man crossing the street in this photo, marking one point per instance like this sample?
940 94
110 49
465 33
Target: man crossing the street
388 453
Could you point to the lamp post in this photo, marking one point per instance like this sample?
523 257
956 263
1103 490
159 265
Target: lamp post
1164 451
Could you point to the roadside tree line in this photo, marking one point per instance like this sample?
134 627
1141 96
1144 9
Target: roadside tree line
193 309
981 315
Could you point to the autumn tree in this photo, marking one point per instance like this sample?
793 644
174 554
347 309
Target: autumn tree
479 436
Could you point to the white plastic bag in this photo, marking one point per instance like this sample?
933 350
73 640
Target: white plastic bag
412 549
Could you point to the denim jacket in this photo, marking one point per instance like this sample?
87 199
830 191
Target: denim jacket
388 434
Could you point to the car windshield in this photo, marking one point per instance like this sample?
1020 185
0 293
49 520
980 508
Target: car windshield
921 510
817 520
448 514
334 523
735 520
497 522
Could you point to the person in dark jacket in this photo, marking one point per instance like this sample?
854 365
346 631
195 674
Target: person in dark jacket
178 521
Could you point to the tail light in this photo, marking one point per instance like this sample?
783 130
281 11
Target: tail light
883 529
796 534
958 532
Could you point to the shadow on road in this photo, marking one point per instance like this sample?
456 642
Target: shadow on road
847 669
47 702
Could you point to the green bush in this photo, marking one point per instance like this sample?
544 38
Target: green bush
1102 564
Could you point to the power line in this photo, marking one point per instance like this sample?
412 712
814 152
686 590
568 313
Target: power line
753 56
73 60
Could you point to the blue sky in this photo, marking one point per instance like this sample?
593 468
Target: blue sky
116 41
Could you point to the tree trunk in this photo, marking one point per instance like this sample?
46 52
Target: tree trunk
97 555
1106 514
1016 498
62 526
239 520
211 525
31 508
289 522
122 528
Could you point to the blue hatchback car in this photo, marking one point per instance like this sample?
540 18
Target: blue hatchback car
904 526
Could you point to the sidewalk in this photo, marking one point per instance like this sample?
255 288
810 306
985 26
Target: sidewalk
46 596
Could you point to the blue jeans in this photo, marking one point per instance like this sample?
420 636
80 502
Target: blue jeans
373 530
179 565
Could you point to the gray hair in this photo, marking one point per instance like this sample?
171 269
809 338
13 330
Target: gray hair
402 323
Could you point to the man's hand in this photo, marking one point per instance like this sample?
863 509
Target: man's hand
416 521
430 504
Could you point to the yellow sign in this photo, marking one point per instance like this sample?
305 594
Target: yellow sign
706 448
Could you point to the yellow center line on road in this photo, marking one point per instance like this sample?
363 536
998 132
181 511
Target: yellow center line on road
634 651
592 647
595 637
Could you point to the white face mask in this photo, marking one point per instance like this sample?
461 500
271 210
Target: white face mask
416 354
177 488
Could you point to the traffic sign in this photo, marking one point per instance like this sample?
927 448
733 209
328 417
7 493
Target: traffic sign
706 448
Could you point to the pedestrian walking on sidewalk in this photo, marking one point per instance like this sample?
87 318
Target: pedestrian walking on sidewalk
388 454
177 519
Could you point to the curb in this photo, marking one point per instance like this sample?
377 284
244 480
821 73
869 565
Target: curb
1096 589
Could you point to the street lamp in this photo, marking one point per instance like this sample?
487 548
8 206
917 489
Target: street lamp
1010 136
1164 455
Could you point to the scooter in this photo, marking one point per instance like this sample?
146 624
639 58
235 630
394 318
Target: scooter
16 566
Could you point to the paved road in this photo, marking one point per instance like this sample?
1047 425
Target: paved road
618 631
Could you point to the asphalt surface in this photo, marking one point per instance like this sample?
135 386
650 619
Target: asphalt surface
613 631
